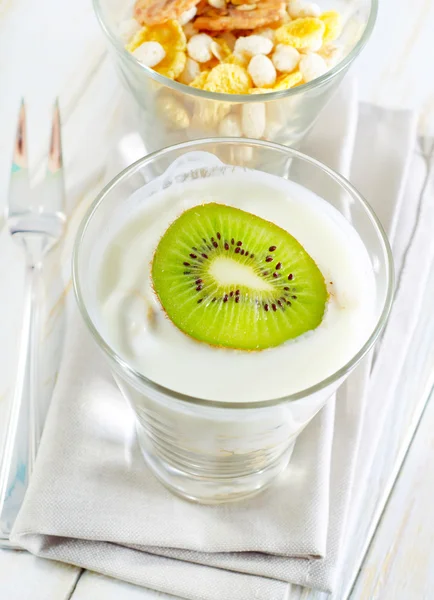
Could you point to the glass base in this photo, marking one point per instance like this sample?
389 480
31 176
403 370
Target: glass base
216 490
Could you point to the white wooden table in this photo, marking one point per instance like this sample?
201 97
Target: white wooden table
54 47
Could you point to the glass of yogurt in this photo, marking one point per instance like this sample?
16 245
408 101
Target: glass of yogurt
226 356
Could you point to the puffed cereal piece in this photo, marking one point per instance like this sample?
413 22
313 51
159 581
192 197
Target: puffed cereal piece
150 53
253 45
312 66
262 71
331 53
228 79
199 47
287 82
190 72
333 25
220 4
127 29
220 49
200 80
314 46
301 33
285 58
266 32
253 119
187 16
173 112
301 8
230 126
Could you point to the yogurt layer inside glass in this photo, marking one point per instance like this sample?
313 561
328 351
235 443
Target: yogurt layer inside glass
134 323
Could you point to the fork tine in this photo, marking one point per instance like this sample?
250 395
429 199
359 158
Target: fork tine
19 187
20 150
54 182
55 159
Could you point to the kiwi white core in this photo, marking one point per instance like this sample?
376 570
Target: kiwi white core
228 272
122 271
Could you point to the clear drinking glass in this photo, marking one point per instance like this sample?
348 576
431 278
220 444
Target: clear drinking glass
168 112
208 451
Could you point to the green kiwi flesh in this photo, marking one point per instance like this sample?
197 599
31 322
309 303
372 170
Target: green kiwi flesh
229 278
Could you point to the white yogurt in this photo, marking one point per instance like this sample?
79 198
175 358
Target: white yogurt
134 323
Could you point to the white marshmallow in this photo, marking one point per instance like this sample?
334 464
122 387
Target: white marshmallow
150 53
217 3
199 47
190 72
253 45
253 119
312 66
300 8
262 71
285 58
127 29
187 16
230 126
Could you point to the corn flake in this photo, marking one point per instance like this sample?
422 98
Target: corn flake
237 59
148 12
170 35
200 80
301 33
285 82
173 112
333 25
209 114
228 79
173 64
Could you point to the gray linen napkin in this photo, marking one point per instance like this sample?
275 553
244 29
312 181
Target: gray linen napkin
92 502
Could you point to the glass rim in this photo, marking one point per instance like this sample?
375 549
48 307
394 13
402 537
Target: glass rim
245 98
168 392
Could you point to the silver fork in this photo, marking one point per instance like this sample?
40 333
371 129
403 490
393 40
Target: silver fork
37 222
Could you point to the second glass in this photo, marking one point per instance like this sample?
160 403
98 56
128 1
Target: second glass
167 112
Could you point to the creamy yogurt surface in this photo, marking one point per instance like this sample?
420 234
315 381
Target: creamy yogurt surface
134 323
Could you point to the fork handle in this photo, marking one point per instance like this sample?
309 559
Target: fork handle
24 423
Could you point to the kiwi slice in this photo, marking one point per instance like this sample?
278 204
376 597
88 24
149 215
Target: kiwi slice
229 278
